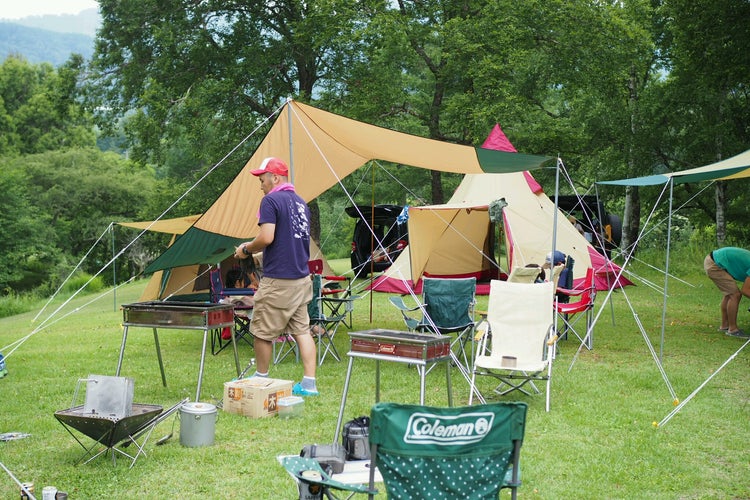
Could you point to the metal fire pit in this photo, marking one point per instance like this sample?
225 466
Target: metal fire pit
105 429
178 315
108 430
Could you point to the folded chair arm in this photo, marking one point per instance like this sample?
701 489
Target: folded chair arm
399 302
411 323
571 292
335 278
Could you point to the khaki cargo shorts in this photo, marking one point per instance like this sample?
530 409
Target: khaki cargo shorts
281 307
720 277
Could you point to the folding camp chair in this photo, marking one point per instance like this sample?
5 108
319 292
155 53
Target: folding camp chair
336 300
283 346
520 344
565 280
314 482
583 307
323 323
242 313
447 308
524 274
468 452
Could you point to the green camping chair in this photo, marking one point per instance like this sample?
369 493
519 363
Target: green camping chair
314 482
447 308
470 452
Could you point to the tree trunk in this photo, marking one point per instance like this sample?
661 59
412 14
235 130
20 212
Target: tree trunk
631 220
631 224
438 197
314 221
721 211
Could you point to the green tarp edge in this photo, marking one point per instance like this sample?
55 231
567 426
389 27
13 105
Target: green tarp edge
493 163
196 246
679 177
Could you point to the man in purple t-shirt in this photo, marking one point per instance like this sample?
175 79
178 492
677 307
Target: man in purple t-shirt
285 288
726 266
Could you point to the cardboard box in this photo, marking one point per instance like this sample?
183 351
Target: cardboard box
255 397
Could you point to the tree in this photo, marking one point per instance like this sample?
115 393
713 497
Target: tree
707 48
40 109
204 74
59 204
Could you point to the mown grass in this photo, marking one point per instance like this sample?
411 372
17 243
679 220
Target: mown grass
597 442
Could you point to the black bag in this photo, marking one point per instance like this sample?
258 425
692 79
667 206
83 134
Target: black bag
356 438
331 457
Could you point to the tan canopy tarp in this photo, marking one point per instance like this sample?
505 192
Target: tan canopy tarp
321 148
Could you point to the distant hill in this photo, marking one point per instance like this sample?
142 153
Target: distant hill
85 22
40 45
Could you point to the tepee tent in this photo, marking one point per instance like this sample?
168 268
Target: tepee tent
321 148
453 239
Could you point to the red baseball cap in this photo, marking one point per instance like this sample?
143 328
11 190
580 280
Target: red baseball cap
272 165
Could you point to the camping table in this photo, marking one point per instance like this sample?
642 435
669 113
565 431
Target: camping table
178 315
418 349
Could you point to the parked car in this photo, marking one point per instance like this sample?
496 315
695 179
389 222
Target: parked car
587 211
366 254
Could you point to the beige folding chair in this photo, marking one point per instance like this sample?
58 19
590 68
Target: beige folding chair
524 274
520 344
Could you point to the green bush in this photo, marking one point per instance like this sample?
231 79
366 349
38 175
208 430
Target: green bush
13 304
80 280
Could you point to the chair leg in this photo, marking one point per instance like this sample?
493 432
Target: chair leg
286 346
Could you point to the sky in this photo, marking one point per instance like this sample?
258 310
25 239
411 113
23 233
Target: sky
16 9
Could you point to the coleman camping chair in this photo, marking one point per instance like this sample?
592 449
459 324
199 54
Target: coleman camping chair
571 312
520 344
524 274
447 308
471 452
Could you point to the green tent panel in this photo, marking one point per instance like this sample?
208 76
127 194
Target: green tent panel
195 247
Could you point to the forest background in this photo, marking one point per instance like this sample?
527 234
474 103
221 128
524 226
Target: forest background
616 89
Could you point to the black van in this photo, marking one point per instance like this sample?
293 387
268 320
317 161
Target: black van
366 254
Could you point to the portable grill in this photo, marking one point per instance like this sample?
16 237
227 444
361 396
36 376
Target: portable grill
178 315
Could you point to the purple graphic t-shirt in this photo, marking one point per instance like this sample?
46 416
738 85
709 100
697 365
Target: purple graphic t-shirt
289 253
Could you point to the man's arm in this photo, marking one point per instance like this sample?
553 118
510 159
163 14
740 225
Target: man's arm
264 238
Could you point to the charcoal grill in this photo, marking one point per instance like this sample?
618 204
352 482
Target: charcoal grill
421 350
178 315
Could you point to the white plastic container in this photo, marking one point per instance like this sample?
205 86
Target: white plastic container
291 406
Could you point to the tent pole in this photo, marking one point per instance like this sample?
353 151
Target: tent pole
114 268
607 258
291 149
372 234
666 268
557 205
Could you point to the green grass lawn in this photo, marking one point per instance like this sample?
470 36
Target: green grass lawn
598 441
